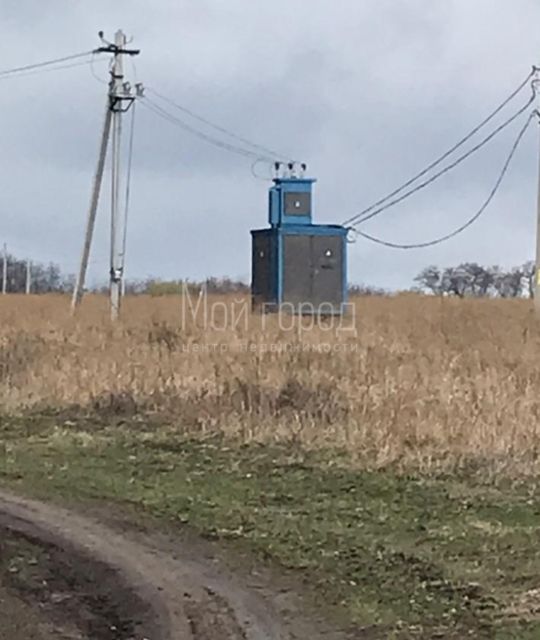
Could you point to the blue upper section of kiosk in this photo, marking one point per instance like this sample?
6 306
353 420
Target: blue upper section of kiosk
291 202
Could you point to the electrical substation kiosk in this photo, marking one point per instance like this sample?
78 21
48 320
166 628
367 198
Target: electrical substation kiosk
298 266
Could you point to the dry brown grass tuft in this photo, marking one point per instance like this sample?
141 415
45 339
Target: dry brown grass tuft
425 382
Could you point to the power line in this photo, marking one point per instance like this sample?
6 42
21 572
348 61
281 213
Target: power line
474 218
149 104
392 203
221 129
152 106
448 153
45 63
25 74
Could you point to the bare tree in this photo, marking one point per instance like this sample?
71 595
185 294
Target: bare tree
430 279
508 284
455 281
478 279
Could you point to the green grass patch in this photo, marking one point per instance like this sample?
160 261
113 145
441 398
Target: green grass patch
399 556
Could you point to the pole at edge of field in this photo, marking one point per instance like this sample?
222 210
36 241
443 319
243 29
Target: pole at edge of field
536 286
91 221
119 100
116 275
122 100
537 261
4 270
28 286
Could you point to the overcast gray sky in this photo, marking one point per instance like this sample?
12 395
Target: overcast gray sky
367 92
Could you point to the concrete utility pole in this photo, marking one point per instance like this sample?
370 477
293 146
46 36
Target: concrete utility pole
28 286
119 100
537 262
4 270
116 267
91 221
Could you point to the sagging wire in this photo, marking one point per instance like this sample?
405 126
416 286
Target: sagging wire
155 108
45 63
260 149
471 220
380 206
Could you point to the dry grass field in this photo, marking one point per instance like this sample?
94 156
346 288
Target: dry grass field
431 383
393 469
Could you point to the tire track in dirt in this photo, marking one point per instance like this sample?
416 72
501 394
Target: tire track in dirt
163 595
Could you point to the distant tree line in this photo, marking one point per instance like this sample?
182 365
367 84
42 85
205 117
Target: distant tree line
157 287
43 278
48 278
468 279
476 281
366 290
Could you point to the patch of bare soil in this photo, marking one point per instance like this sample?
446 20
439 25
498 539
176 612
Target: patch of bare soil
19 621
71 593
82 577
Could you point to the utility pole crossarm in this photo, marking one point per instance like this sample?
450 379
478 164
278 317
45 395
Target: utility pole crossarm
112 48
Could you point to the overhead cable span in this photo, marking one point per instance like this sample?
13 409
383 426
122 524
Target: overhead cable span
448 168
258 148
45 63
383 204
52 69
227 146
474 218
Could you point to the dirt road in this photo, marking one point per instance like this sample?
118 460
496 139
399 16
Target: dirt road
87 579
